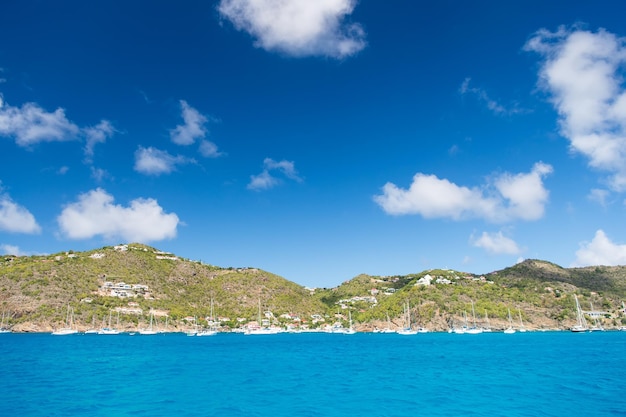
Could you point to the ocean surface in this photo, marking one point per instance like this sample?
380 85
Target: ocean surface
437 374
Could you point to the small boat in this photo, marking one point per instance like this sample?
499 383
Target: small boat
522 329
264 327
597 326
474 329
4 329
149 330
510 329
69 324
93 329
581 324
109 330
212 330
487 326
350 330
407 331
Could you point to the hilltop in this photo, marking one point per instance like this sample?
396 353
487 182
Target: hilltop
132 280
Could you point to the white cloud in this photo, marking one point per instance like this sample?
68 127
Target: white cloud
599 196
96 134
99 174
11 250
266 180
262 181
491 104
525 193
152 161
600 251
286 167
496 243
186 134
298 27
30 125
15 218
95 214
506 198
583 73
209 150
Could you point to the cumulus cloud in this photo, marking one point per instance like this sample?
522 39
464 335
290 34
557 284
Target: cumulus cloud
496 243
15 218
193 128
152 161
298 27
583 73
505 198
95 214
266 180
600 251
30 125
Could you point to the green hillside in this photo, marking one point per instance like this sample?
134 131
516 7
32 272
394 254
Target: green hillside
38 289
135 279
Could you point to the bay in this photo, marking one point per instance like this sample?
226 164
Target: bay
436 374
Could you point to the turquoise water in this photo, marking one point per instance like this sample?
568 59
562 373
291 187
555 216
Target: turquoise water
525 374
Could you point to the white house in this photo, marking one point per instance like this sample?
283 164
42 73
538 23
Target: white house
425 280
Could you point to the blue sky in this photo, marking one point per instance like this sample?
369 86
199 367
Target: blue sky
317 140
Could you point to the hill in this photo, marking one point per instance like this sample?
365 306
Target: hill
132 280
539 294
36 290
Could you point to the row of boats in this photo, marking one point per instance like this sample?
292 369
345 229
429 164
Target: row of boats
105 330
582 326
263 327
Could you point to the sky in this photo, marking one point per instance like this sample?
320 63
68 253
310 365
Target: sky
317 140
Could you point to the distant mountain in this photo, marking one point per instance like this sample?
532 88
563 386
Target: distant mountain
134 279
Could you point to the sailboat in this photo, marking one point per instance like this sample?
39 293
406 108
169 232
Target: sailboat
349 330
473 329
211 331
407 331
522 329
487 327
597 327
263 328
581 324
69 324
109 329
386 329
92 330
510 329
149 330
2 328
193 331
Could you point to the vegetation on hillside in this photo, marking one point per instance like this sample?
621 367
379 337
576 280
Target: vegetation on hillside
36 290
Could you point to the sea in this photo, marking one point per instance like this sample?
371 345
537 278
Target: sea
311 374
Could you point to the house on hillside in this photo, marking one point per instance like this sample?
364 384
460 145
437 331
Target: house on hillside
425 280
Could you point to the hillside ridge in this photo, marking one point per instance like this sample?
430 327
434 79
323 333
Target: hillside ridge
133 280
